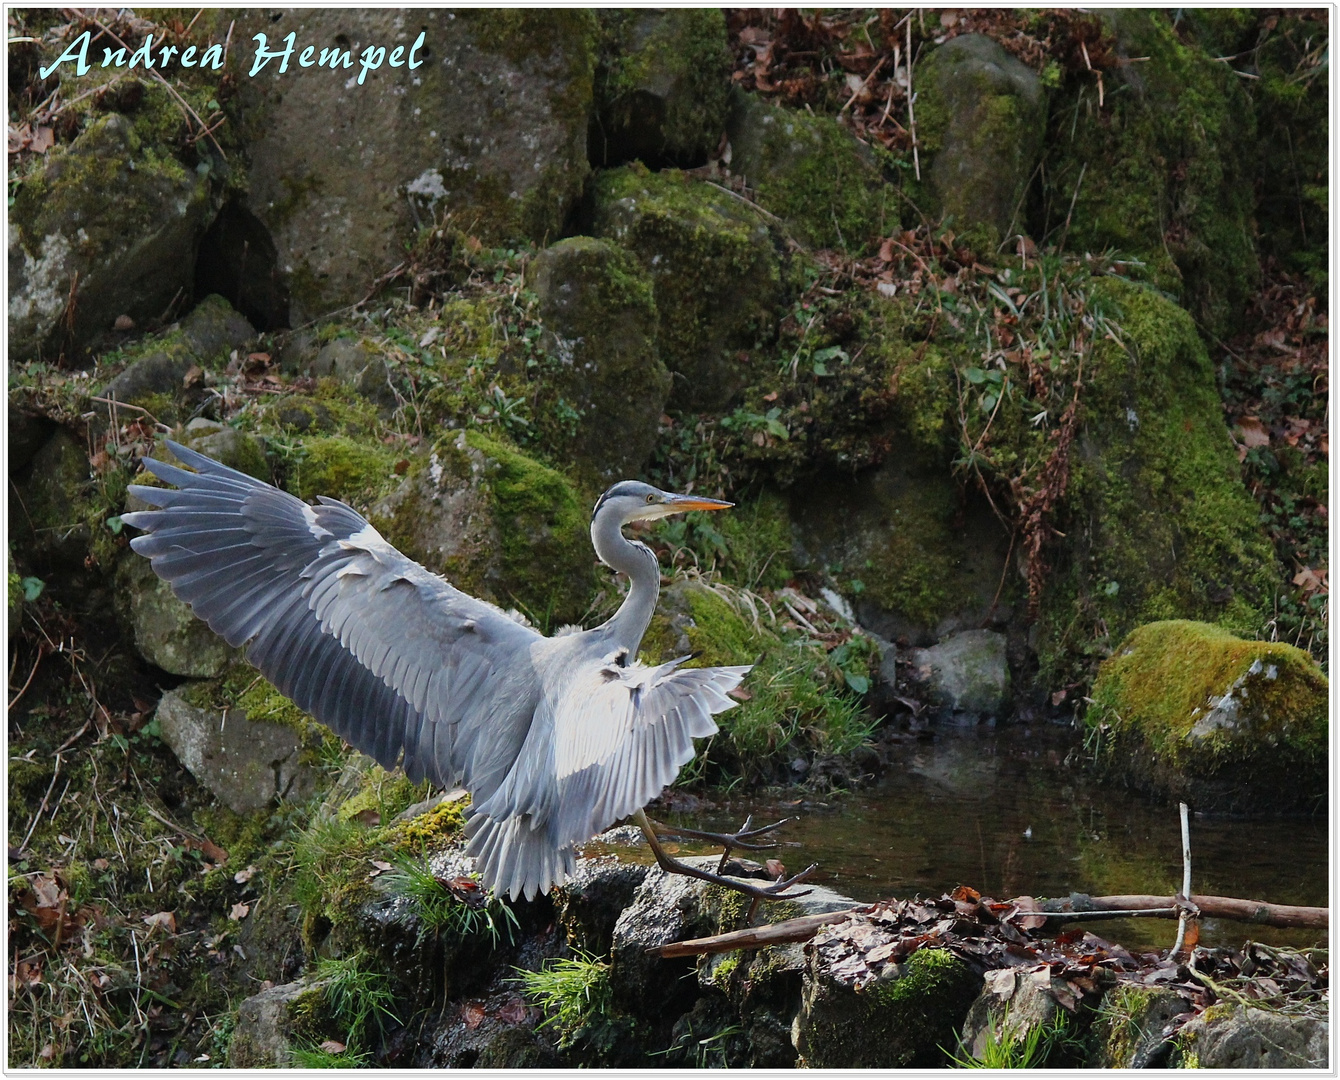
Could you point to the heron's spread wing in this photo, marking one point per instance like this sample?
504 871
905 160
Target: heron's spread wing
604 746
370 643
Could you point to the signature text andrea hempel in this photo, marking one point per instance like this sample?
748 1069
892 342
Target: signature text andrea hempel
370 59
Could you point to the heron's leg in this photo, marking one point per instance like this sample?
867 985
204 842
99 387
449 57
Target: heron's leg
731 841
775 891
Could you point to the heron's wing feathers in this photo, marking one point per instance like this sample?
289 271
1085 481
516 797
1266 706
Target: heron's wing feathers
370 643
625 733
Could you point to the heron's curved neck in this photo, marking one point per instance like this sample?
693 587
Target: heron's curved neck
638 561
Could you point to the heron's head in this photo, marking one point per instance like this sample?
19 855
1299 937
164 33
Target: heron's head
632 500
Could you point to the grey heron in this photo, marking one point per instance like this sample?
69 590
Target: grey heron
556 738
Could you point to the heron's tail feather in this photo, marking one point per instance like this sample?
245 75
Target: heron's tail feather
515 859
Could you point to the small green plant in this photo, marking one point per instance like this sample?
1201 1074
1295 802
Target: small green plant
357 996
572 992
709 1052
457 908
1008 1049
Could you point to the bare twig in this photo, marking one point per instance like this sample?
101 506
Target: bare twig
758 937
42 808
911 112
1186 881
36 664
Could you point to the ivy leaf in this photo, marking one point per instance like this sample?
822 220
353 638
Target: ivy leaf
859 683
114 523
776 427
988 402
820 368
975 375
32 588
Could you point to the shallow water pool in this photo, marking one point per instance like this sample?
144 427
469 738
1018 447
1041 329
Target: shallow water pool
1000 810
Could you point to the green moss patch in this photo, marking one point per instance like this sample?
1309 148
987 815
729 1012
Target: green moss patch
1187 707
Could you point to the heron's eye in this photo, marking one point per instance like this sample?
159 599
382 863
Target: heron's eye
651 498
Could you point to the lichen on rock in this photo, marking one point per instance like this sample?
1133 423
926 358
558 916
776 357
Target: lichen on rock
119 215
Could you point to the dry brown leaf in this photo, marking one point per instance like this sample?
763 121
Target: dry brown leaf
243 876
165 919
330 1046
240 911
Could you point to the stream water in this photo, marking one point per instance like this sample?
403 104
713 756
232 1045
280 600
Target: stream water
999 810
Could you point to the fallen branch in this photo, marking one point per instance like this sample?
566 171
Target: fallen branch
757 937
1211 907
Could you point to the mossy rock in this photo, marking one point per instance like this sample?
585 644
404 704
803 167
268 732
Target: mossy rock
272 1022
901 1019
247 763
916 555
715 269
213 330
1228 1036
49 508
1188 709
357 471
661 86
1157 522
981 119
497 524
490 128
1130 1025
164 629
1166 164
602 388
119 213
811 172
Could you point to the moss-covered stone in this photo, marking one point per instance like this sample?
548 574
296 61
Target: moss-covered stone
164 629
498 524
715 269
245 762
1189 709
1130 1024
119 213
902 1019
353 470
1166 164
811 172
916 555
1157 523
661 86
213 330
49 510
981 118
602 387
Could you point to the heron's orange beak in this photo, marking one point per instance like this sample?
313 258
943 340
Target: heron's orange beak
680 503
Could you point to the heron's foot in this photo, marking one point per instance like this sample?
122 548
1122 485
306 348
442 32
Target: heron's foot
777 890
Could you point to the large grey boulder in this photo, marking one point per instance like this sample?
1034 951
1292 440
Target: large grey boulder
269 1023
123 218
1241 1037
898 1015
981 118
661 86
810 171
490 128
965 675
715 269
246 764
603 388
